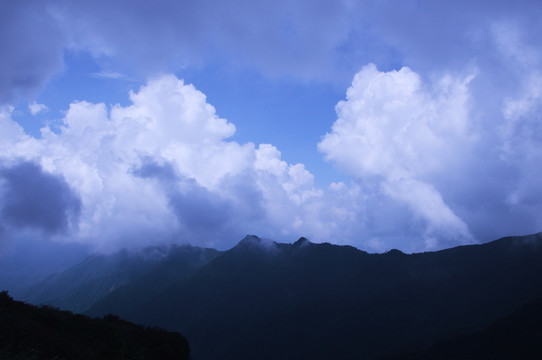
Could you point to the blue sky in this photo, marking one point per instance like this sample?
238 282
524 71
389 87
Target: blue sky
381 124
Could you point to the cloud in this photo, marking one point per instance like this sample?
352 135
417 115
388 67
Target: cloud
443 150
273 37
200 213
104 154
391 130
33 199
32 45
309 40
430 168
163 169
427 150
36 108
108 75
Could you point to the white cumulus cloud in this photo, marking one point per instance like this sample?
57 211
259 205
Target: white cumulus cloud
431 167
429 153
163 169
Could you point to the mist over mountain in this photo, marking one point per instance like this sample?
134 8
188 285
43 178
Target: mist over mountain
268 300
97 276
27 261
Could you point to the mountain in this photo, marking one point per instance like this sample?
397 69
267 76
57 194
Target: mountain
180 263
266 300
26 262
82 285
515 336
294 301
29 332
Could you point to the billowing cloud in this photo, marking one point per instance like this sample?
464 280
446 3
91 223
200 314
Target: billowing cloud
162 169
429 149
426 173
443 150
392 131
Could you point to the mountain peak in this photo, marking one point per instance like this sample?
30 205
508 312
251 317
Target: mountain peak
302 242
250 239
395 252
254 242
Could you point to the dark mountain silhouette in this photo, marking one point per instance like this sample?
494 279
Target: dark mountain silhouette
82 285
180 263
264 300
516 336
30 332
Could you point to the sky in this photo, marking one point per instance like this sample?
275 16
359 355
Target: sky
402 124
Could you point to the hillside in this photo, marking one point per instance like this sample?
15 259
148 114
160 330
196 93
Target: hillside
515 336
97 276
30 332
267 300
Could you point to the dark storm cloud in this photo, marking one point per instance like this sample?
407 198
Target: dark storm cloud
32 198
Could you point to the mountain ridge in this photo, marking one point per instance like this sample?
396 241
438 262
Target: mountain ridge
89 281
262 299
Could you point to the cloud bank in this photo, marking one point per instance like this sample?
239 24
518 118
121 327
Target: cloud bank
443 150
311 40
426 172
